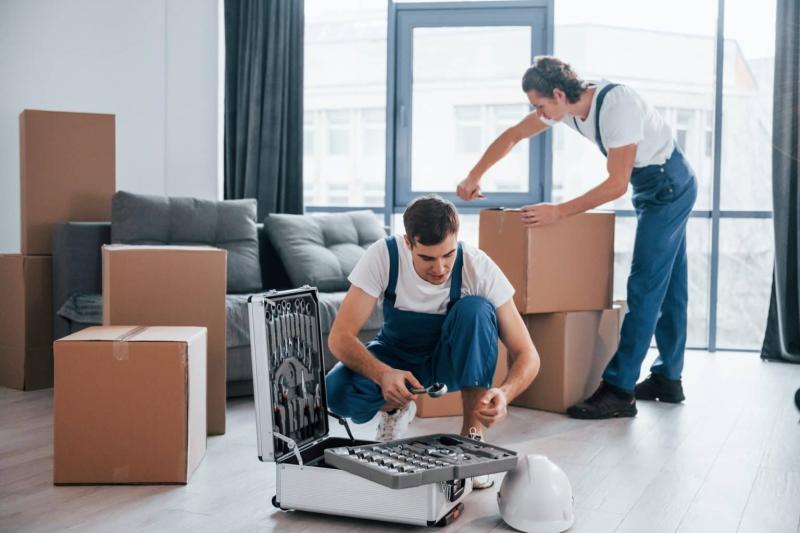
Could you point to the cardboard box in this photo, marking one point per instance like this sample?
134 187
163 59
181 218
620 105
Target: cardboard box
566 266
172 286
67 172
26 322
129 405
574 349
450 403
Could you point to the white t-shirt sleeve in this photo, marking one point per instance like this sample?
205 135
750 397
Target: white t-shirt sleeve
484 278
621 119
371 273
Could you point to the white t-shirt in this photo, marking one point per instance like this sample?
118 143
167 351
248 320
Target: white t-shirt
626 118
480 276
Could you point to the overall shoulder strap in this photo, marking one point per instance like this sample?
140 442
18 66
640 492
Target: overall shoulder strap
391 245
600 97
455 279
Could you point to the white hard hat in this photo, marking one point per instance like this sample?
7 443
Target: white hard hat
536 497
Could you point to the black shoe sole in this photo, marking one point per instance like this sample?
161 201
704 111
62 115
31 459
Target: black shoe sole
665 398
582 414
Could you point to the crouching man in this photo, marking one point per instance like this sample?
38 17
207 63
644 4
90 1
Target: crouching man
444 305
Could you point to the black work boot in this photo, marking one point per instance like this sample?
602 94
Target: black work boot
657 387
608 401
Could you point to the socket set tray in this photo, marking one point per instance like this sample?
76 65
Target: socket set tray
405 463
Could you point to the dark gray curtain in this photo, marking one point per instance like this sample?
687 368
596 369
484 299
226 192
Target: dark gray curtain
264 103
782 338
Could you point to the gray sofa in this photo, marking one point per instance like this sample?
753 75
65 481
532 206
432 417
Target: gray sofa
321 249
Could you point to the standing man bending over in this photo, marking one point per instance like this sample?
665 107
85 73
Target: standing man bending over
444 305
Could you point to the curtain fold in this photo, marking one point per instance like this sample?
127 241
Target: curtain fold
264 103
782 337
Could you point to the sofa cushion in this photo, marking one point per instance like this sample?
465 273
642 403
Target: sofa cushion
321 250
228 224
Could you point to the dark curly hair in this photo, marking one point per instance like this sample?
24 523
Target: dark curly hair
429 219
548 73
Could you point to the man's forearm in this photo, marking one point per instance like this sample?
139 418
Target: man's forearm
355 356
523 369
494 153
605 192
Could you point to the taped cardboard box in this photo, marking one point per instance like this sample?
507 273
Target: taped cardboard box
450 403
67 172
574 349
129 405
566 266
173 286
26 322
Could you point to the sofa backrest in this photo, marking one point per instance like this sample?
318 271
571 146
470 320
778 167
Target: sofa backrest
227 224
321 249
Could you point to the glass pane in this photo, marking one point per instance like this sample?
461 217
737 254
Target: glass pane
746 254
463 80
747 106
698 248
657 50
344 152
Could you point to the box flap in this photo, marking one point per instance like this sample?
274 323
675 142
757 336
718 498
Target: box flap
158 248
136 334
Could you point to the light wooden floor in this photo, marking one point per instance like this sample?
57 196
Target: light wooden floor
728 460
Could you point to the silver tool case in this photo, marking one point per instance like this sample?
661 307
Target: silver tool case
293 430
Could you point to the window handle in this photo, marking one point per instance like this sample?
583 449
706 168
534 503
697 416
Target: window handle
402 116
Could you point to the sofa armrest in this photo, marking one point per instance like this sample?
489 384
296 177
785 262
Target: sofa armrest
77 264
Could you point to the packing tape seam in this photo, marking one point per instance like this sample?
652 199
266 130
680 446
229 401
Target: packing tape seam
120 349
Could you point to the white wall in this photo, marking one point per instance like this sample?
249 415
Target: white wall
152 63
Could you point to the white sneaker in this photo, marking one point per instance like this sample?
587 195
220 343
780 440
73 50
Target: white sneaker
485 481
392 427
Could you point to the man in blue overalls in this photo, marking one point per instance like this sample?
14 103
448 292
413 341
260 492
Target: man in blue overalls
445 304
640 149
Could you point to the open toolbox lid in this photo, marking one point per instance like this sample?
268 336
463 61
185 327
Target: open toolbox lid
288 371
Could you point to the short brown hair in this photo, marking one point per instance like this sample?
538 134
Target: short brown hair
429 220
548 73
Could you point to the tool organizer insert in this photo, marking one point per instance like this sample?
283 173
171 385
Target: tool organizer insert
416 461
298 388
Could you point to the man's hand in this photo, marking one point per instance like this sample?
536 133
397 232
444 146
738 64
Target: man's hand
540 214
469 189
492 407
393 386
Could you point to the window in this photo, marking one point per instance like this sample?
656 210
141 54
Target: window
456 70
338 132
457 87
345 103
469 129
747 106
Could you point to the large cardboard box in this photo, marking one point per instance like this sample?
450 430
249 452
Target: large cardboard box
566 266
450 403
67 172
574 349
26 322
172 286
129 405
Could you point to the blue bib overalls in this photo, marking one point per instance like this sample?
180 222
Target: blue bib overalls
458 348
663 197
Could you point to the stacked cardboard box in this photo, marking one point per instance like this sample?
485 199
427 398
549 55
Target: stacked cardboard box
129 405
189 290
67 172
563 277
